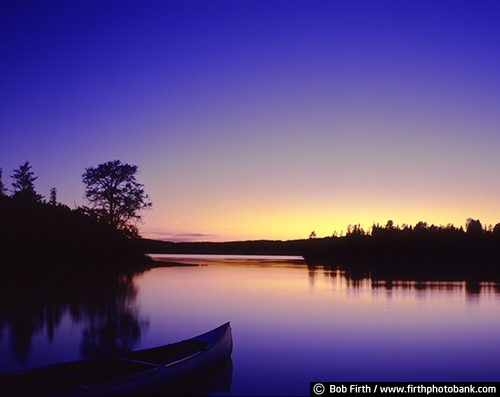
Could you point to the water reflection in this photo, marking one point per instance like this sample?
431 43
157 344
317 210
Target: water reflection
101 302
215 381
359 279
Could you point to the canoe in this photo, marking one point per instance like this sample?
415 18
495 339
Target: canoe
169 366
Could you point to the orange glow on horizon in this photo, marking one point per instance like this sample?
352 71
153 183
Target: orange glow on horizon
289 228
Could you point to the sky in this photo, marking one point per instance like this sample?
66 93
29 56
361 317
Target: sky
260 119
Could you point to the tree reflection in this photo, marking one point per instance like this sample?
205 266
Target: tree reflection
31 301
357 276
116 331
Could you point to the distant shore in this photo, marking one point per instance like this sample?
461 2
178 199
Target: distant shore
429 255
254 247
50 237
157 262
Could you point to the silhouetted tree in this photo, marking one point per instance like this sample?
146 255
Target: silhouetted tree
115 195
474 227
3 190
24 189
355 230
53 196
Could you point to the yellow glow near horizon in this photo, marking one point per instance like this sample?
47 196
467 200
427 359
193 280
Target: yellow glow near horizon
286 224
282 196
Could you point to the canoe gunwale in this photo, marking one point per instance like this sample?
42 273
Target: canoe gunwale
184 359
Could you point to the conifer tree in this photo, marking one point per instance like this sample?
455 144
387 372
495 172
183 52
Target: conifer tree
3 190
53 196
24 189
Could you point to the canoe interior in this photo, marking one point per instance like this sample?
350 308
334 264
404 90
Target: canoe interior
167 354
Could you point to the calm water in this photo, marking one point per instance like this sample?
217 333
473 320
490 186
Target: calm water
291 324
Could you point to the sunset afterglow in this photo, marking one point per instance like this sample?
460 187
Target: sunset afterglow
260 119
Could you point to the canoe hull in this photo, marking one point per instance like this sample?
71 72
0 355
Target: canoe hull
167 367
173 376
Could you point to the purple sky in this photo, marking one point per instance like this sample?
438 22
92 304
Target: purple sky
260 119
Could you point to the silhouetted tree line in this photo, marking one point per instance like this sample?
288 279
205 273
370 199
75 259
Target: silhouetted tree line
420 252
34 230
35 233
55 260
255 247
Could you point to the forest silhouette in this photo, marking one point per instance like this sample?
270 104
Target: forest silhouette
40 234
421 252
35 232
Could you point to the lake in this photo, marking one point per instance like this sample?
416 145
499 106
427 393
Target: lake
291 324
